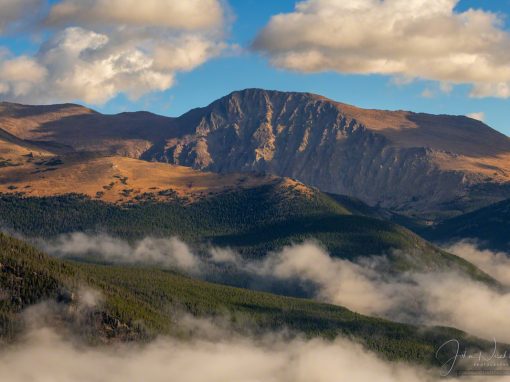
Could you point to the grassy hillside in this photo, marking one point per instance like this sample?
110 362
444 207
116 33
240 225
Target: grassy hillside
490 226
139 303
252 221
113 179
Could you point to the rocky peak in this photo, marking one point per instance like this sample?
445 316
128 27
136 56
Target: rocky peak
412 162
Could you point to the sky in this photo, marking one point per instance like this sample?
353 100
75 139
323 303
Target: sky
169 56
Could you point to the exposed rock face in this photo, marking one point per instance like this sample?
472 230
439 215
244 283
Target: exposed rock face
403 161
413 163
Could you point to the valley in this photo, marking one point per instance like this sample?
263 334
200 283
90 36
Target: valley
140 211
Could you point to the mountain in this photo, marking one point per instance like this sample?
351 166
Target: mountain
44 195
489 226
252 221
71 128
430 166
137 304
67 169
411 163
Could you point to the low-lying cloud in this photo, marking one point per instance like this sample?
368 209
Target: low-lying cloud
213 351
496 264
405 39
170 252
436 298
45 356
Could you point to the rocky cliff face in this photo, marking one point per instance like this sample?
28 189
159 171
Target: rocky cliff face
395 159
413 163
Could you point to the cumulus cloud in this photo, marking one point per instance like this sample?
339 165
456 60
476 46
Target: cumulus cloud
23 73
190 14
402 38
14 12
98 49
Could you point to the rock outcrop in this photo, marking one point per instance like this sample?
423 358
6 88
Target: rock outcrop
413 163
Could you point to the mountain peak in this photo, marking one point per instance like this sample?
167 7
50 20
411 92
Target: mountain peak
456 134
412 162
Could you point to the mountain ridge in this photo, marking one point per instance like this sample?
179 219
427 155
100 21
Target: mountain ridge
487 228
311 140
431 166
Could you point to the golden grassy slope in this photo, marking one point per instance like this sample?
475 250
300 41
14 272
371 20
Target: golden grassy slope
116 179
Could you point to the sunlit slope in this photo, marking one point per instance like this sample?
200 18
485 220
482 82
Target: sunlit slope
429 166
112 178
42 194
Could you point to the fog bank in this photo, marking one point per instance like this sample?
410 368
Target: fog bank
52 358
434 298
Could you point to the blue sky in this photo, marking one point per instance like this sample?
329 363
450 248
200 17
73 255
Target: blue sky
221 75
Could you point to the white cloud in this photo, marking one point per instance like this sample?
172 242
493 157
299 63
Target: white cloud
189 14
480 116
18 76
340 281
435 298
499 89
366 286
155 251
403 38
496 264
98 49
232 358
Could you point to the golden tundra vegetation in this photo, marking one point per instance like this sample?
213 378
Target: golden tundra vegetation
112 178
